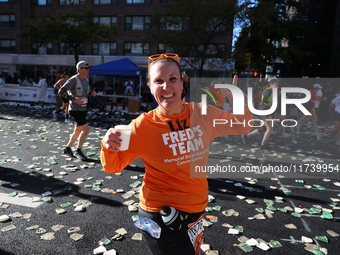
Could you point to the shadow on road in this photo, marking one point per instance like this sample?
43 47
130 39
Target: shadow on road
36 183
216 185
2 252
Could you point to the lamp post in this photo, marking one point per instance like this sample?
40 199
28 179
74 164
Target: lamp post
140 82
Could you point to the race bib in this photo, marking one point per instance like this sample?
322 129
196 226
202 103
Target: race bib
195 233
85 101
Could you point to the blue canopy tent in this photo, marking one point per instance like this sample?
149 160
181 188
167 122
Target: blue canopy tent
123 68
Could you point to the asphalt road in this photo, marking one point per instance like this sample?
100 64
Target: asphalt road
31 164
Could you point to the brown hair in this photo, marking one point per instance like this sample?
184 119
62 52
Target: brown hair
162 60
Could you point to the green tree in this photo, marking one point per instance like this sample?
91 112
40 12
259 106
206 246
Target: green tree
73 27
272 33
195 29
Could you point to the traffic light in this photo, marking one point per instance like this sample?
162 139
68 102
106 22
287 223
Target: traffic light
255 73
247 59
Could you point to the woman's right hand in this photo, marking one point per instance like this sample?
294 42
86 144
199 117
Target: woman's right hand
111 140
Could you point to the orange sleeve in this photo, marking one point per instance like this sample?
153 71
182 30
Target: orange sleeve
109 160
115 162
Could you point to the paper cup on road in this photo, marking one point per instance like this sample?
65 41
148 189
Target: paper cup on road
125 131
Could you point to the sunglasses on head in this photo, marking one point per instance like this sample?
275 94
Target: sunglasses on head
156 57
86 68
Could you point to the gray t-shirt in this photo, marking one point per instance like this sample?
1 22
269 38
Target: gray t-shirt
77 87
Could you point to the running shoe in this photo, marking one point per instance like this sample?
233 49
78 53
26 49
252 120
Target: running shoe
68 121
245 139
68 151
80 155
264 147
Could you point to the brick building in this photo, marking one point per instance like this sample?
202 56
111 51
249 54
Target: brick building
133 17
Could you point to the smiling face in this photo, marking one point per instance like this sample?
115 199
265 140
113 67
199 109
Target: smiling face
166 86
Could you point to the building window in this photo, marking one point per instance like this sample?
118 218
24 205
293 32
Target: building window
137 23
163 48
216 24
136 49
216 48
138 1
66 49
41 2
213 49
104 49
105 2
7 46
4 1
105 20
68 2
7 21
43 50
174 23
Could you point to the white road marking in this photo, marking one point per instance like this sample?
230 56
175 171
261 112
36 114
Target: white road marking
304 223
301 187
318 216
291 240
22 201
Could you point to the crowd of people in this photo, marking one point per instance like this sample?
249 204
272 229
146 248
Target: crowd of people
9 79
323 106
124 87
15 79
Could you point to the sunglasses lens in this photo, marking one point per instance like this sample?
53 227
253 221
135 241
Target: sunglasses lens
165 55
171 55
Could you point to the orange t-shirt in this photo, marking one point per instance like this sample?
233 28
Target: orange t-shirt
170 147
